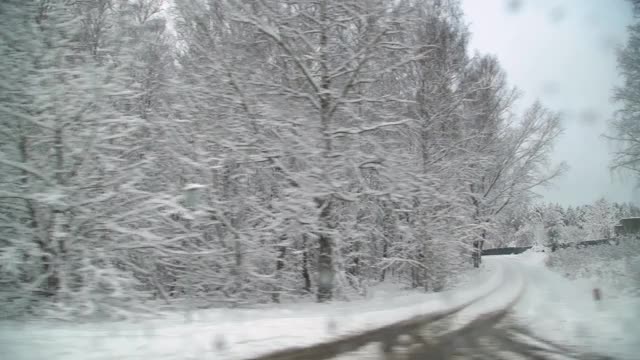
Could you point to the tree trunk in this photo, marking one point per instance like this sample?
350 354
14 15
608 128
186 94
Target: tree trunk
385 254
282 250
305 267
325 269
326 272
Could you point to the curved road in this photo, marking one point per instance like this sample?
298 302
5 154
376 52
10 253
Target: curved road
565 311
552 306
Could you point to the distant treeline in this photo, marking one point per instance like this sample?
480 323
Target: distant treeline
554 247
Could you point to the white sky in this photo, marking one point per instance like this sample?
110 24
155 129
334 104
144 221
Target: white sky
563 53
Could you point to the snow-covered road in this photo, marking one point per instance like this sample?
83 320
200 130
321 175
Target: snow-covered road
553 306
564 310
229 333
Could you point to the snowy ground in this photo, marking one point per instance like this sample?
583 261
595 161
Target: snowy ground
553 305
229 333
564 311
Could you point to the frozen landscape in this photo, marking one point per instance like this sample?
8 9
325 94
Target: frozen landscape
319 179
552 306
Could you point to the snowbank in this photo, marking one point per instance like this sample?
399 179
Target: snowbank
230 333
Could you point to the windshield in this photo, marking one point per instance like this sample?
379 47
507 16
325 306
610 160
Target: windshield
319 179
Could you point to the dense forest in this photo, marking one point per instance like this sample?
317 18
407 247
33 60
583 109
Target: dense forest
210 152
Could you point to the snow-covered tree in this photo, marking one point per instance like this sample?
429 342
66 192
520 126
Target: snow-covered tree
600 218
625 124
67 185
249 151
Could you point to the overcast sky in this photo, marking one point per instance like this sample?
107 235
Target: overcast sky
563 53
